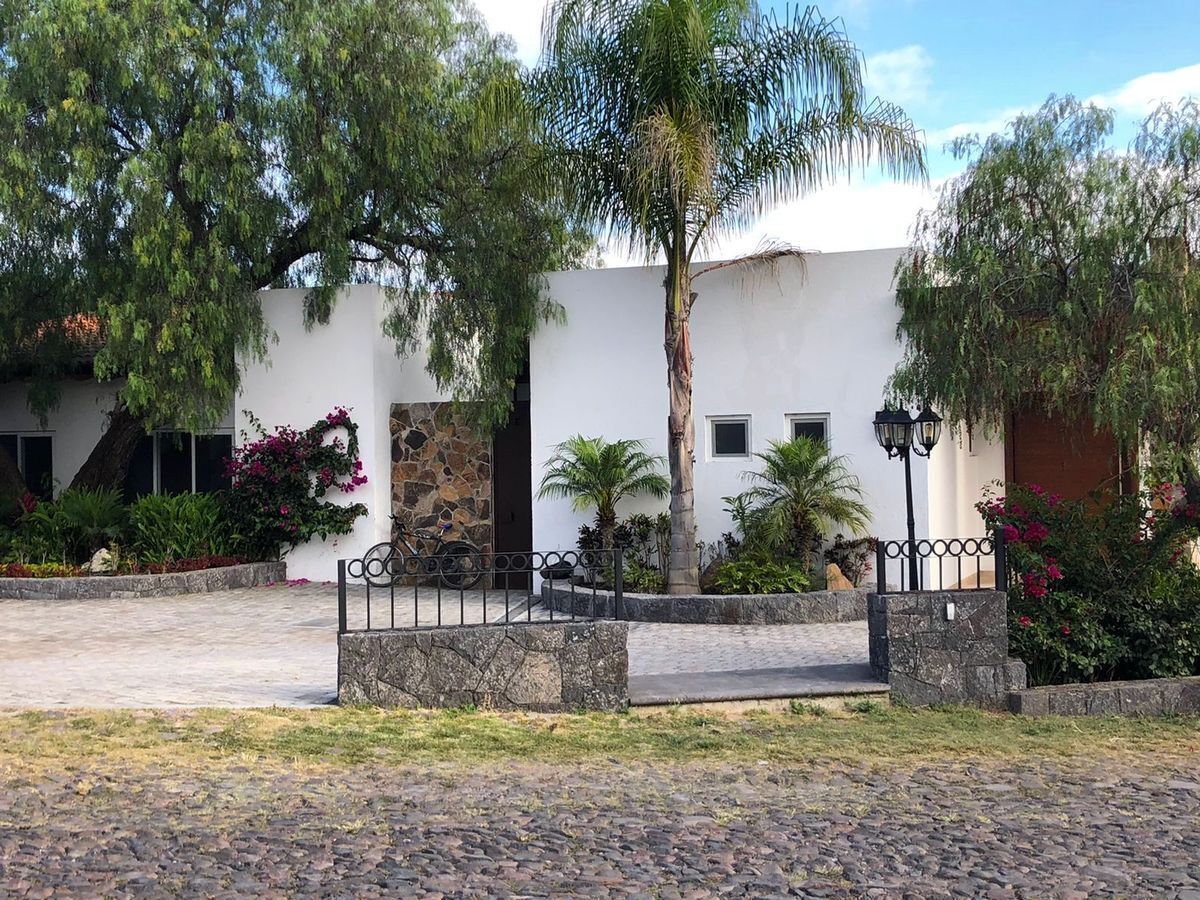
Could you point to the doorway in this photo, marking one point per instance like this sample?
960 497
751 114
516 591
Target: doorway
512 484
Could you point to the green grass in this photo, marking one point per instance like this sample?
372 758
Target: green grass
349 736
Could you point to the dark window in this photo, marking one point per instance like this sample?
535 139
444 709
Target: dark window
139 481
39 465
9 443
33 455
731 438
810 428
174 462
212 452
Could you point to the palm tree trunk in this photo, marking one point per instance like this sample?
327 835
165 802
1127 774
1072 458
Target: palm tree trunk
683 572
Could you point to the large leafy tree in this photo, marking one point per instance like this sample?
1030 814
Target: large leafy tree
1060 271
675 120
164 160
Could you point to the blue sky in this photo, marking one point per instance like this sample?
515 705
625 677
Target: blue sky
956 67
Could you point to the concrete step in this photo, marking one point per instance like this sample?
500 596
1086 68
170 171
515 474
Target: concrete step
753 684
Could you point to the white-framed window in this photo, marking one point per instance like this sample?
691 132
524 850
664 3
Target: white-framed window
812 425
33 452
729 437
177 462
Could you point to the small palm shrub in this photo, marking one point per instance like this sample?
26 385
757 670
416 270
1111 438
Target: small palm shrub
595 474
801 492
167 527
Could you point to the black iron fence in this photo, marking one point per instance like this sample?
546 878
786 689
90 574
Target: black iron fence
400 591
942 564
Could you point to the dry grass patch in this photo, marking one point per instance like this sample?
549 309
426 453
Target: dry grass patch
349 736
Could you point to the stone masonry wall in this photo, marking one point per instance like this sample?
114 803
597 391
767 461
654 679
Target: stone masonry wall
103 587
1153 697
441 471
543 667
928 657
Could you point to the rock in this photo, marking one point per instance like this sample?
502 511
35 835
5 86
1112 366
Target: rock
101 563
835 580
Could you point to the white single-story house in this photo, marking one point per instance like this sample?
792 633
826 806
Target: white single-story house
805 346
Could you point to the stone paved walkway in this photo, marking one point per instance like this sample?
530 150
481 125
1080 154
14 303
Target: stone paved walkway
277 646
1114 828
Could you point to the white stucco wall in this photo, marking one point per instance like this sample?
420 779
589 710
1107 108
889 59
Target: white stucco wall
348 362
75 425
959 470
817 337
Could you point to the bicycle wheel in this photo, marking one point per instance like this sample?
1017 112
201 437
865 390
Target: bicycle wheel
461 565
382 565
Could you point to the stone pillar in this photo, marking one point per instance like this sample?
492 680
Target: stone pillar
943 647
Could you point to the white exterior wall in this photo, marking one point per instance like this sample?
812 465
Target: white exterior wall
817 337
350 363
75 426
959 470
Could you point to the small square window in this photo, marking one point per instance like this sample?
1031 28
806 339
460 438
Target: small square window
729 438
809 426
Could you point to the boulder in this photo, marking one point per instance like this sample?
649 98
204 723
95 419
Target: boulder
101 563
835 580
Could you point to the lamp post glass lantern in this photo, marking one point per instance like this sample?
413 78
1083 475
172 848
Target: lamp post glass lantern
895 430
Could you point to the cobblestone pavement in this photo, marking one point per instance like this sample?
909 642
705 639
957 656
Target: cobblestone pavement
1125 829
277 646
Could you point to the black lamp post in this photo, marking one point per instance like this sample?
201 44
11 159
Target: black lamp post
898 433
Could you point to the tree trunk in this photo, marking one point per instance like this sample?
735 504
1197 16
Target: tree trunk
683 572
108 463
608 528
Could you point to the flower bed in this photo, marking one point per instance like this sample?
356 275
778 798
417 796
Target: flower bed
98 587
62 570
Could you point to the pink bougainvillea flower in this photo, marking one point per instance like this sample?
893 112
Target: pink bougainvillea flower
284 510
1054 500
1011 534
1036 532
1037 489
1025 621
1066 630
1053 572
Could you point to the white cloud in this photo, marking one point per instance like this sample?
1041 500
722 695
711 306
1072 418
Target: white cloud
840 217
1141 95
900 76
522 19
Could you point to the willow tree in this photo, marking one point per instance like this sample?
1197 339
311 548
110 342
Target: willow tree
677 120
164 161
1062 271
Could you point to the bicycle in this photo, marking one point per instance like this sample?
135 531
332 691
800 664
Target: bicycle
458 564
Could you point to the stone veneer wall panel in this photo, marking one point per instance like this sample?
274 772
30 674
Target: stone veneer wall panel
927 657
1152 697
441 471
542 667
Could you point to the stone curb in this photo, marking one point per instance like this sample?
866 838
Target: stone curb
117 587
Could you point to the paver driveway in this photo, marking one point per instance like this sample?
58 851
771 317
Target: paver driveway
277 646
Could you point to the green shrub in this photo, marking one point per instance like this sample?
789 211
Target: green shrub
751 575
168 527
1098 590
71 528
642 579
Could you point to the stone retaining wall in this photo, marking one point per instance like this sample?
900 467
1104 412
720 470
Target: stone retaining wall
812 608
104 587
943 647
542 667
1155 697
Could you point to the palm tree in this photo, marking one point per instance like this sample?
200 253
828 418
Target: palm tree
673 120
802 491
596 474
